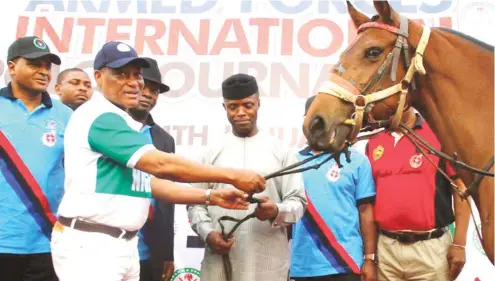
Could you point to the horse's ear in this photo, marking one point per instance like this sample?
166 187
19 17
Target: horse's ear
384 10
357 17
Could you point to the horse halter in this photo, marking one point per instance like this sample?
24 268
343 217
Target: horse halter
343 89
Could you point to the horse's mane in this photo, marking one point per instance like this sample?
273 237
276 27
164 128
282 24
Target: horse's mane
468 38
473 40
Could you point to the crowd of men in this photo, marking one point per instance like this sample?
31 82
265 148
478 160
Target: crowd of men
88 187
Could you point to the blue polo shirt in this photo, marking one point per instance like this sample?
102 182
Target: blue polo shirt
144 251
31 171
327 240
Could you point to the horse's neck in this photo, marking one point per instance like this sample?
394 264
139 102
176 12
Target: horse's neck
456 94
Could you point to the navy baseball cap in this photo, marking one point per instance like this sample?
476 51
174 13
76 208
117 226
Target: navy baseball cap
116 54
31 47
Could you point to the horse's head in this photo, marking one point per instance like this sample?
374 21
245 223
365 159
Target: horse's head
366 82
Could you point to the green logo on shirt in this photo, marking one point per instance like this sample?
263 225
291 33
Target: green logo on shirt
186 274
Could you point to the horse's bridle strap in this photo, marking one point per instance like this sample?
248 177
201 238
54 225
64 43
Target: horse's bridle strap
343 89
379 25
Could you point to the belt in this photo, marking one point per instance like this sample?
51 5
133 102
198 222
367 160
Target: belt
412 237
95 227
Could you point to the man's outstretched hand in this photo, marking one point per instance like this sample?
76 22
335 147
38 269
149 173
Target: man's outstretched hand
229 199
248 181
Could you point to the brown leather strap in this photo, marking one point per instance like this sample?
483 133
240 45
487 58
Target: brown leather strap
412 237
95 227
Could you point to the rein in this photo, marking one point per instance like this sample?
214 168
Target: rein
421 145
291 169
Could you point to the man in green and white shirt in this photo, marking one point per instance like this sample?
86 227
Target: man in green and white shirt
107 185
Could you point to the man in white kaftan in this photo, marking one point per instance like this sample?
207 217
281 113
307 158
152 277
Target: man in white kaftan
259 249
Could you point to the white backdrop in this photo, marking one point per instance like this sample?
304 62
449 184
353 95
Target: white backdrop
289 45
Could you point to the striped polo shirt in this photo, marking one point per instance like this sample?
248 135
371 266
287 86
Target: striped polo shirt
102 145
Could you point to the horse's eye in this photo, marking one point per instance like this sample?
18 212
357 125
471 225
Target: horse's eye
373 52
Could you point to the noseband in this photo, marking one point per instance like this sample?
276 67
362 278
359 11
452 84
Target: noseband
362 99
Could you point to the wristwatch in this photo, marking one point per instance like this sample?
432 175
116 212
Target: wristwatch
207 195
370 257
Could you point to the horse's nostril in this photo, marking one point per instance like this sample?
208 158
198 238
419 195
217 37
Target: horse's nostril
317 125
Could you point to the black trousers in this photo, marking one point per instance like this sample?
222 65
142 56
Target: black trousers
336 277
145 271
31 267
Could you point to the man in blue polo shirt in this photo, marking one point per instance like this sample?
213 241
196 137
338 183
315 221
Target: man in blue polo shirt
31 162
336 238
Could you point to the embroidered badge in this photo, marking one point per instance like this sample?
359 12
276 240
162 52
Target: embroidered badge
333 174
51 125
378 152
40 44
49 139
416 161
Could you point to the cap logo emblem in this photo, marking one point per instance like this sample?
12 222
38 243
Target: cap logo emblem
123 47
39 43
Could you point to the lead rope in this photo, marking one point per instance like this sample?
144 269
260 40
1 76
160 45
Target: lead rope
227 265
406 131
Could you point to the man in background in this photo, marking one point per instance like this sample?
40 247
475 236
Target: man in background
74 87
336 238
259 249
412 244
156 238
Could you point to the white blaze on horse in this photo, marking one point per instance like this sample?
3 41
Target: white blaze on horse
395 62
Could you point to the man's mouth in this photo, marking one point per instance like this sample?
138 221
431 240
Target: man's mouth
131 94
242 122
42 81
82 97
145 103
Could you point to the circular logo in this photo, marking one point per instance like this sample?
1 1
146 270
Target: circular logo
416 161
49 139
51 124
186 274
333 174
40 44
476 240
123 47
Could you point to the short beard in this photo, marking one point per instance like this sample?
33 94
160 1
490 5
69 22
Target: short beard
242 134
138 114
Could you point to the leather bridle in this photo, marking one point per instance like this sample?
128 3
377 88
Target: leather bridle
363 99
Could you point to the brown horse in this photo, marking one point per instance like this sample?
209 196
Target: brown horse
454 93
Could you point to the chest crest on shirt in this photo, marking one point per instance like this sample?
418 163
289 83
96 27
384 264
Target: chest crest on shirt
49 139
378 152
51 125
416 161
333 173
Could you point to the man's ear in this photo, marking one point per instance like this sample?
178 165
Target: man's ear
224 107
11 66
98 78
57 89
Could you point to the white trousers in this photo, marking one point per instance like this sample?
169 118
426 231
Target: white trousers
90 256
